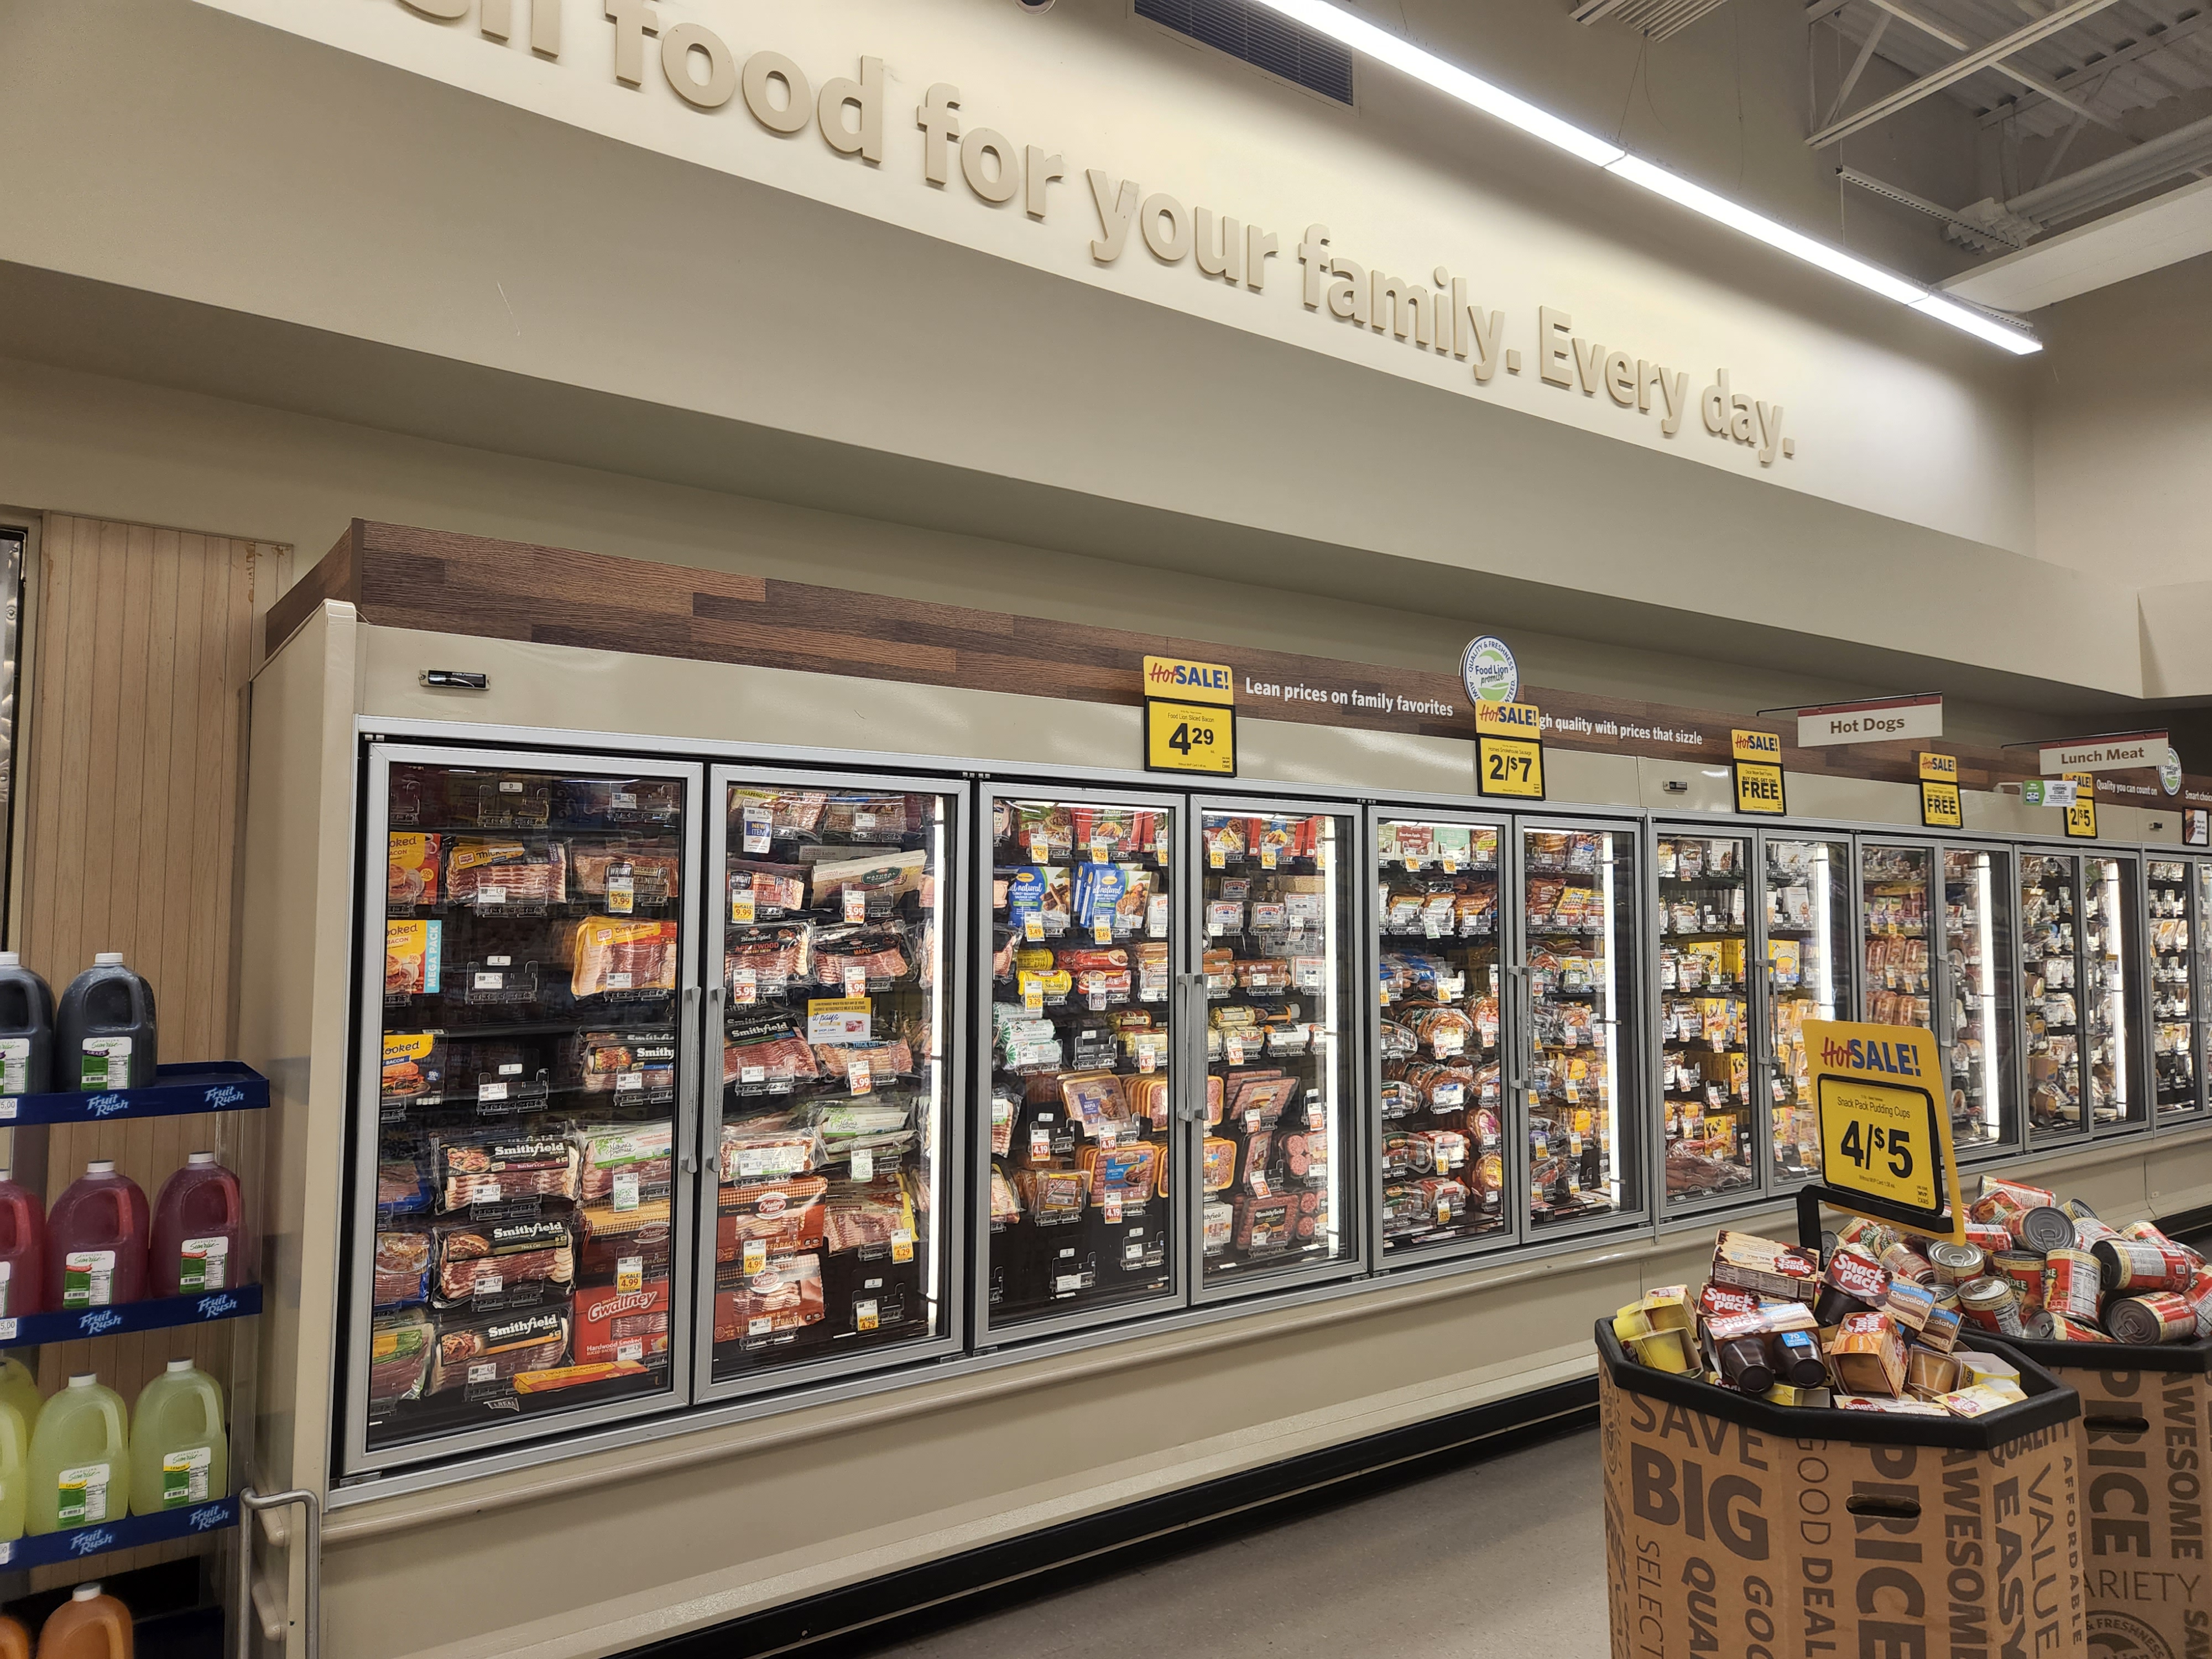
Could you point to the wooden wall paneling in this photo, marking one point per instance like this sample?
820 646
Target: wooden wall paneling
136 748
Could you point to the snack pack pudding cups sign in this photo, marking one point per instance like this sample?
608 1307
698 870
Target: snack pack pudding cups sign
1488 671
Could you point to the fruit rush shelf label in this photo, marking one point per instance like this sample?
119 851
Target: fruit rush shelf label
1885 1133
1509 750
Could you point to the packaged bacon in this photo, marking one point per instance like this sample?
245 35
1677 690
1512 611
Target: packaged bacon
883 1060
491 873
613 802
760 816
881 879
622 876
612 957
477 1349
413 1065
619 1247
863 817
615 1325
470 1260
784 1296
498 800
762 892
412 871
403 1268
769 1145
1005 1199
773 1217
489 1168
635 1068
766 1054
876 952
403 1184
400 1347
872 1218
625 1163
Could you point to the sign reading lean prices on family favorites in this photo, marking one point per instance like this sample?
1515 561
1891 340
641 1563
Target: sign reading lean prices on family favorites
1885 1123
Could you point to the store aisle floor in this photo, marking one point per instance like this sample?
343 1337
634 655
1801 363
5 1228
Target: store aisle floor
1499 1558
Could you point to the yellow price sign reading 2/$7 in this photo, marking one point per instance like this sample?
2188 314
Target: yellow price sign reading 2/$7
1886 1122
1189 736
1509 766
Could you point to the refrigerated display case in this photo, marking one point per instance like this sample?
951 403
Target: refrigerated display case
2050 1022
1082 1028
1893 888
1705 1019
2170 923
2200 956
1277 1141
831 1248
2112 939
1577 976
1444 1114
528 1044
1808 976
1977 979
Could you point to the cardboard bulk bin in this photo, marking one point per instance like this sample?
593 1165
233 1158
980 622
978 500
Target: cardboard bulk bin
1738 1527
2145 1431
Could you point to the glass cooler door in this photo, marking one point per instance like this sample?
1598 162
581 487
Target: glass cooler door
2174 987
1808 976
831 1245
1076 1115
2050 993
526 1097
1280 1144
1978 998
1444 1115
1579 953
2200 941
1705 1022
2111 1003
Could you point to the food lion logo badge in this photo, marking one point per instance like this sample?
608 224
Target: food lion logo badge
2123 1636
92 1542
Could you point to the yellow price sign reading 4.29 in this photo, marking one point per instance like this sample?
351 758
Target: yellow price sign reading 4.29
1189 736
1885 1123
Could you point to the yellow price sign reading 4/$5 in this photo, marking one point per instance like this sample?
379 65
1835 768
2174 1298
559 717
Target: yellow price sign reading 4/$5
1190 736
1885 1123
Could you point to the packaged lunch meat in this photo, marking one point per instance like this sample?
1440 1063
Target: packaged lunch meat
484 1168
609 955
775 1217
490 1348
620 1247
616 1325
489 873
496 1258
403 1268
400 1347
412 874
625 1163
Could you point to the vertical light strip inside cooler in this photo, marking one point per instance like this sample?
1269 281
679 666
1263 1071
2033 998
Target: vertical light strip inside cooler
1980 980
1082 1059
523 1267
2173 1055
1609 965
1439 986
2113 1096
2051 1019
1705 1012
1277 923
1574 937
1808 977
829 1213
2200 943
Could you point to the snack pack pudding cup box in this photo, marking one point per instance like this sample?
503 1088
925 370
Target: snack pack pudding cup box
1737 1525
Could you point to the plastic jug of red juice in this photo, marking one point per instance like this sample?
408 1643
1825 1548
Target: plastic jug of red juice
22 1249
96 1242
91 1624
104 1028
199 1231
26 1029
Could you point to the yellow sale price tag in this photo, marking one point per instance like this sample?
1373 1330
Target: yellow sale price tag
1510 766
1759 788
1884 1127
2081 816
1189 737
1939 807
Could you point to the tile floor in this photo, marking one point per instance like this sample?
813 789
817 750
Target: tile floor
1499 1558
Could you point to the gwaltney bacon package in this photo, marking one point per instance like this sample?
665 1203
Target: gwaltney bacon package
613 1325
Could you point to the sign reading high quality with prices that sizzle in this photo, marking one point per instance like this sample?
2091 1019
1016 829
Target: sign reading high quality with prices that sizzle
1509 750
1886 1124
1190 717
1758 757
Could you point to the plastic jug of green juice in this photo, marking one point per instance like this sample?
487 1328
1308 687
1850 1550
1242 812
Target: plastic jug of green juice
179 1455
19 1388
80 1458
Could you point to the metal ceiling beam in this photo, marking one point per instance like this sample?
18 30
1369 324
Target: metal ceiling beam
1858 66
2142 48
1972 62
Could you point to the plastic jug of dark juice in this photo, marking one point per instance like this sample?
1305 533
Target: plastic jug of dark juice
104 1030
26 1029
22 1249
96 1242
199 1231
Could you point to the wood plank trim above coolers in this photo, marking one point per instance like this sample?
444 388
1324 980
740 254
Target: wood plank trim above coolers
2171 1175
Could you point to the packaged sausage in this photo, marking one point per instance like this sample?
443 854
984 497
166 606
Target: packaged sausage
1264 1224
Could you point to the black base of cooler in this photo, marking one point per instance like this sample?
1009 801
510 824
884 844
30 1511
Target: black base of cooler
902 1606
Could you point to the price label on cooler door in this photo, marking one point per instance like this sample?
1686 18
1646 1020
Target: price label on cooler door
1189 736
1885 1132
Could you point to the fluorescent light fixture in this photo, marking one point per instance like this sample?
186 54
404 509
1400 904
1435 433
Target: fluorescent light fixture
1424 66
2016 340
1403 55
1736 216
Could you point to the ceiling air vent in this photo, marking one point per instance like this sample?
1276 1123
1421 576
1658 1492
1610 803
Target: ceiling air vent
1264 39
1656 18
